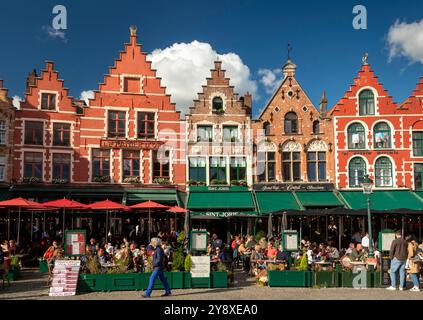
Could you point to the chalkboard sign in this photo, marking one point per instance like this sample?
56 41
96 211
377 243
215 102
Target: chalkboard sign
385 280
199 240
385 239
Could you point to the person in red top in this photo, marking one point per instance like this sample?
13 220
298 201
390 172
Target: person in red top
271 251
234 243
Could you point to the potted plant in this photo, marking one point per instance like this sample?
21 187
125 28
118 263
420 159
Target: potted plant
220 278
101 179
192 183
299 276
162 181
234 182
131 179
31 180
59 181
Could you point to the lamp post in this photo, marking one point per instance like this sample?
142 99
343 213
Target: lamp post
367 190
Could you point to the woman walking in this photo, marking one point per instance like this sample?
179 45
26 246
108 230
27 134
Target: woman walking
413 267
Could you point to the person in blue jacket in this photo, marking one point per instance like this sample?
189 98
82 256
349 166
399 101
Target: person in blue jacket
158 267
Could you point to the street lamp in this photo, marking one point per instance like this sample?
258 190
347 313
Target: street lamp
367 190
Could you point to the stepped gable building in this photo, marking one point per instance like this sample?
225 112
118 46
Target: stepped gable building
128 136
375 136
7 112
219 137
46 135
293 139
131 132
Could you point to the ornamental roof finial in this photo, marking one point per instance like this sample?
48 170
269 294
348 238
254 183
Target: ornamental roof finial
133 30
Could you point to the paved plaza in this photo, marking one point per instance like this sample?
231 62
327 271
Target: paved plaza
33 285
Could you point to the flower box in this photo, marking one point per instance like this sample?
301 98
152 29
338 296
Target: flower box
42 265
219 279
326 279
289 278
14 273
201 282
187 280
177 280
123 282
92 282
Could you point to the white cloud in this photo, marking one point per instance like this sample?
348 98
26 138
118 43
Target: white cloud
85 95
406 40
270 79
54 33
184 68
17 102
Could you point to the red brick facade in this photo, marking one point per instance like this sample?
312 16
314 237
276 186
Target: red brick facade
293 139
129 132
7 113
374 135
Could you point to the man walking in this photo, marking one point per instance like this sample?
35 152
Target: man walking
158 267
398 255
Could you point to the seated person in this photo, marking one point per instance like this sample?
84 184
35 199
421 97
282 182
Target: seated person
258 257
251 242
135 255
270 251
357 253
281 256
219 256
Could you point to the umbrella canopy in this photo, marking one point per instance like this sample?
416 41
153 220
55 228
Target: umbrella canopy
177 209
65 204
108 205
149 205
22 203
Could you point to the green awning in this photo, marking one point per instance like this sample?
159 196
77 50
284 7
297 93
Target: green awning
218 201
384 200
268 202
318 200
161 196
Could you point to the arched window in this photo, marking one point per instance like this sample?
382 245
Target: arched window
356 172
383 172
291 162
356 136
291 123
316 127
382 136
217 104
366 103
266 128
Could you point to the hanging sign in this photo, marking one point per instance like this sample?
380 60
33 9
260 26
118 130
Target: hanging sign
65 278
294 187
130 144
75 241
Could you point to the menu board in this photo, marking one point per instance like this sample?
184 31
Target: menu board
75 241
386 239
199 240
65 278
290 240
200 267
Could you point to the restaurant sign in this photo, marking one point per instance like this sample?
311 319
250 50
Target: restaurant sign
225 214
295 187
130 144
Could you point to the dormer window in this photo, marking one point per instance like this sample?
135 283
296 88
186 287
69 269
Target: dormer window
217 105
48 101
366 103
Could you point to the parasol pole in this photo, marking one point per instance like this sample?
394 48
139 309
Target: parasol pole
44 222
63 230
149 224
19 224
8 224
107 225
32 219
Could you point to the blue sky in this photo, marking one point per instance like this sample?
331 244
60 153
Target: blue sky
326 48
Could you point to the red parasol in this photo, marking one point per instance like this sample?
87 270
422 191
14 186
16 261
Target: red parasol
20 203
108 205
177 209
149 205
65 204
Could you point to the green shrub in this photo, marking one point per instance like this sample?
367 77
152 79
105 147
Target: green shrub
181 238
303 266
187 264
178 260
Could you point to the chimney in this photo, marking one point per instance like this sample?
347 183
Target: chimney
247 102
3 92
323 105
30 80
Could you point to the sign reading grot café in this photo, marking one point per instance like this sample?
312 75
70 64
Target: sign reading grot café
295 187
130 144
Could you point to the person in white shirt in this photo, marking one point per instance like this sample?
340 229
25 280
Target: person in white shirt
365 242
